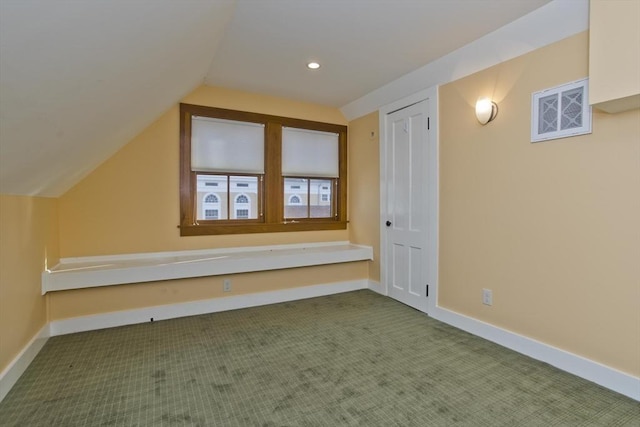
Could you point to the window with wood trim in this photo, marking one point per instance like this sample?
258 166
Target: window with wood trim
269 173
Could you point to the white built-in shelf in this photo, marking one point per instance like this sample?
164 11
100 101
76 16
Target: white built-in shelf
88 272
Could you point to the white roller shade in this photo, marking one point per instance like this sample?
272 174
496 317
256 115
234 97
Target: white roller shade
219 145
309 153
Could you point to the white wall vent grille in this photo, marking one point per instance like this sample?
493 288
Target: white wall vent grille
561 111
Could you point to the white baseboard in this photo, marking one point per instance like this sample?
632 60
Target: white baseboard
577 365
193 308
376 286
10 375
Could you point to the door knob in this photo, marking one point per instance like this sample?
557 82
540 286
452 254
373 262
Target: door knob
388 223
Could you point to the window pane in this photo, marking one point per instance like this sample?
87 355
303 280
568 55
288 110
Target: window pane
320 198
295 198
308 198
244 197
211 198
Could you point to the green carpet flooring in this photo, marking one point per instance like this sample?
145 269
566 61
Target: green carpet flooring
350 359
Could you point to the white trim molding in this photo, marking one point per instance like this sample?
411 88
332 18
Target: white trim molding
87 272
194 308
582 367
376 287
10 375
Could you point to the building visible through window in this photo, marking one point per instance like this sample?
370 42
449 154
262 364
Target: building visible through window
223 204
211 214
241 206
307 198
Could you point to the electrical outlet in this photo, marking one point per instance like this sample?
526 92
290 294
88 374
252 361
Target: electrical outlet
487 297
226 285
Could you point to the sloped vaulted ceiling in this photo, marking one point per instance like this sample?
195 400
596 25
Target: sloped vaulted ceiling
79 79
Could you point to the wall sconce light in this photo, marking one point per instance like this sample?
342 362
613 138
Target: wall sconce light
486 110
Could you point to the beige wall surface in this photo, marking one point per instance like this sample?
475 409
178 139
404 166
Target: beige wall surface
364 187
84 302
256 103
552 227
614 51
28 242
130 203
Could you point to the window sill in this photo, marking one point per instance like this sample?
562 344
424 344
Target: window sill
211 229
88 272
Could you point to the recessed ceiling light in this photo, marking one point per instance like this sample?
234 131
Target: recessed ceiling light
313 65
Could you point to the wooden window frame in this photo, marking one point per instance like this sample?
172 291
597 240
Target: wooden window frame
272 194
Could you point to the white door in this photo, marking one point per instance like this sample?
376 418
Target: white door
409 211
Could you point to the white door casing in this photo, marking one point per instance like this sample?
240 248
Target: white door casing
409 199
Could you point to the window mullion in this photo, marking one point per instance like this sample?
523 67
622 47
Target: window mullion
228 197
334 199
194 199
274 184
261 198
309 195
341 181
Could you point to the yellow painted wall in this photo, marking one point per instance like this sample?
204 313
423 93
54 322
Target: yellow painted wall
614 54
130 204
28 240
364 187
553 228
248 101
84 302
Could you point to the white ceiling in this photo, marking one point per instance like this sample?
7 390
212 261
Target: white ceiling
79 79
361 44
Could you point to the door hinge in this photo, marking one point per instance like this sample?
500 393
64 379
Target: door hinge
426 291
428 123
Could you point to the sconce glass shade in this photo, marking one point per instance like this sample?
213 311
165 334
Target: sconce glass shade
486 110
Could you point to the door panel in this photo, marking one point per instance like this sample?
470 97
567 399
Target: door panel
415 269
406 194
400 267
